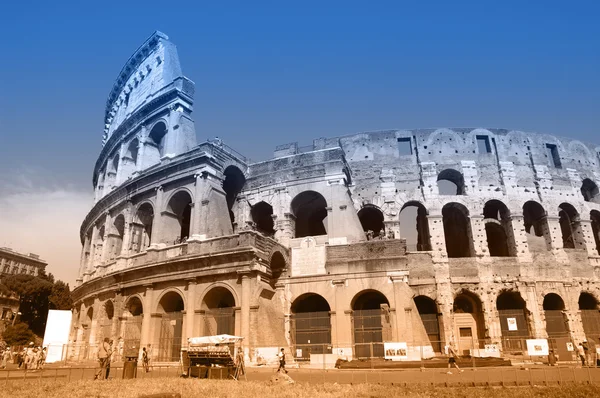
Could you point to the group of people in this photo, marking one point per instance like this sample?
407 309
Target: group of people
586 354
29 358
105 355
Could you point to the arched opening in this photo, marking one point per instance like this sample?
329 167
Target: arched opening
115 163
451 182
428 312
595 218
117 236
278 266
557 324
414 227
514 321
570 227
99 245
498 229
132 151
158 136
219 312
311 326
142 228
178 217
469 326
371 219
105 324
590 191
87 327
372 323
132 326
457 231
171 308
232 185
310 210
536 227
262 216
590 316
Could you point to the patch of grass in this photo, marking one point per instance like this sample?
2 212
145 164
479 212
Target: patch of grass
217 388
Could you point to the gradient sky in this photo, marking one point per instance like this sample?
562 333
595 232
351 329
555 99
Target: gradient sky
269 73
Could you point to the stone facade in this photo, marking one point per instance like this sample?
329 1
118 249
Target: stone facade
463 236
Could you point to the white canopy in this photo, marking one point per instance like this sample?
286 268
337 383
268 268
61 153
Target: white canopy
212 340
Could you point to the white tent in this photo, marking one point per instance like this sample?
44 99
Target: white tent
212 340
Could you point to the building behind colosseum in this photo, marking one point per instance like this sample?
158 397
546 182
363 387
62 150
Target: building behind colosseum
467 236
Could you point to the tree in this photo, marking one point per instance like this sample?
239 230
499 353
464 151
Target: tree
60 297
19 334
34 296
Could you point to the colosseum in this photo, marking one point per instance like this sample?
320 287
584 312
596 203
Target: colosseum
479 238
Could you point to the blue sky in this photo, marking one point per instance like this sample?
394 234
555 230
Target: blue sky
268 73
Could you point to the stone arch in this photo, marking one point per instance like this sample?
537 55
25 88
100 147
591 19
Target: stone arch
131 326
278 265
469 326
536 227
499 229
109 309
371 220
132 150
590 316
570 226
514 320
171 306
157 138
114 163
177 217
170 300
451 182
233 182
417 236
311 325
133 306
117 236
141 232
595 221
457 230
429 313
590 191
262 216
556 318
372 323
219 303
310 210
453 136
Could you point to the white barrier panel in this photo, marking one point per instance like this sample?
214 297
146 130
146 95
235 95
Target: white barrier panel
56 335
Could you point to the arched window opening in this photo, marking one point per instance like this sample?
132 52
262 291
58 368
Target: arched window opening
428 312
595 218
142 228
498 228
536 227
232 185
557 324
590 191
177 224
514 321
590 316
414 227
105 323
109 309
99 245
310 210
171 327
372 323
311 325
158 136
457 231
451 182
132 150
219 317
262 216
90 316
117 236
468 322
278 266
132 326
570 227
371 219
115 163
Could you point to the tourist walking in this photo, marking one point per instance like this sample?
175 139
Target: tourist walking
145 360
452 356
104 352
581 352
5 357
281 356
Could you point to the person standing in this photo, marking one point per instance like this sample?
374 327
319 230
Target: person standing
5 357
586 352
145 360
103 355
281 356
452 356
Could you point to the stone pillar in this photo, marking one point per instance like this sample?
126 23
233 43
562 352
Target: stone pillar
285 228
92 262
155 240
245 310
429 176
211 212
190 309
108 240
537 321
118 310
555 235
479 240
146 337
521 246
438 240
127 235
94 323
139 166
588 234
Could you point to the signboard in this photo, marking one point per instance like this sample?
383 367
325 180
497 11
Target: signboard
537 347
570 346
395 351
298 352
512 323
56 336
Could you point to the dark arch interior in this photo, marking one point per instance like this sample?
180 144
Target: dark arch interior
310 303
109 309
426 305
262 215
534 216
134 306
132 150
119 224
371 219
157 135
497 240
553 302
595 218
277 265
589 190
451 182
510 301
219 297
369 300
569 220
232 185
181 206
90 314
115 163
171 302
457 231
587 301
310 210
414 227
467 303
